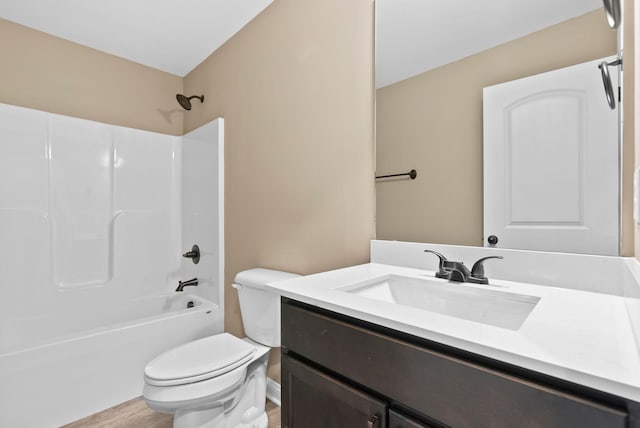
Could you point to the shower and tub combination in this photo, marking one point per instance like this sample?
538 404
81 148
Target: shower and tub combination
94 220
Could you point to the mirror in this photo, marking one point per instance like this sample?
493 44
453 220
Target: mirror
433 59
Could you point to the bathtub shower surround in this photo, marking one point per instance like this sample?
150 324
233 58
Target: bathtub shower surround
85 208
90 253
202 194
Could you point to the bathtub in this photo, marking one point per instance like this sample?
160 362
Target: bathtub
56 369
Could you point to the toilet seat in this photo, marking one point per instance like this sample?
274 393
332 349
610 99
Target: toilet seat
193 395
200 360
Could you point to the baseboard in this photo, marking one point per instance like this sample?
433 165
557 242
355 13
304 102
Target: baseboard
273 391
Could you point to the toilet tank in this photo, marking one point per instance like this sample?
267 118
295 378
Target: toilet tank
259 308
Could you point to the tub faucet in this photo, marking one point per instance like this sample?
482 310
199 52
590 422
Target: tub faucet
182 284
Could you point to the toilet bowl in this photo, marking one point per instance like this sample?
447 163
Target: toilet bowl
220 381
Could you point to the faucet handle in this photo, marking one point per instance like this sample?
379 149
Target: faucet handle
194 254
477 271
442 272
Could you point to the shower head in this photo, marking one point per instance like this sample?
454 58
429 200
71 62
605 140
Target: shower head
185 102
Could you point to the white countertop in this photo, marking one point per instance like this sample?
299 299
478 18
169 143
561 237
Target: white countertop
580 336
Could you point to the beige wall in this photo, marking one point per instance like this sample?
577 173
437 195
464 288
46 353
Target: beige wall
295 88
47 73
433 123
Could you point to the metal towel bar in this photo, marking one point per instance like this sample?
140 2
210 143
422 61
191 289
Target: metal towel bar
412 174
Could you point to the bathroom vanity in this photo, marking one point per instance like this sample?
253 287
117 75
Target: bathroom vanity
342 372
554 357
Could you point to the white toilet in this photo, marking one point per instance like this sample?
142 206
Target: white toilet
220 381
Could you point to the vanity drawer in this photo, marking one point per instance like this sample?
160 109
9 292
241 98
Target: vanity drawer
453 391
398 420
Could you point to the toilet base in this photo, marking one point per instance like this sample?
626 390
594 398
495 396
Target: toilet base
214 418
259 422
243 407
200 418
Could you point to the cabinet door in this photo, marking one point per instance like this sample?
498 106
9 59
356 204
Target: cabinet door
398 420
311 399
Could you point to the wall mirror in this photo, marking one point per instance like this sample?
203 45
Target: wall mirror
433 61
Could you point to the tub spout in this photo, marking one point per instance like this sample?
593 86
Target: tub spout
182 284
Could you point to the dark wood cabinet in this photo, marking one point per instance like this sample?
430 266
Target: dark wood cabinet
398 420
316 400
437 388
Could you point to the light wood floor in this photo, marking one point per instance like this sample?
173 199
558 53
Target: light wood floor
135 413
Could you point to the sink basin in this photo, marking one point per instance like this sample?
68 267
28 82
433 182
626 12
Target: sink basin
497 308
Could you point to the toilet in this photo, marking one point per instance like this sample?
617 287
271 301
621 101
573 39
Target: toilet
221 380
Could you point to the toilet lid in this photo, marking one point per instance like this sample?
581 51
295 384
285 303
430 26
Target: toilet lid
199 360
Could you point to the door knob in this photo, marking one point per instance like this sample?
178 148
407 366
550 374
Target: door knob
492 239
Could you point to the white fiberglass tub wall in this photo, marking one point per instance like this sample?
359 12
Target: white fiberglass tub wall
203 209
90 244
89 213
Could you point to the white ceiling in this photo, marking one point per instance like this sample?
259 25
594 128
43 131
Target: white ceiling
414 36
169 35
175 36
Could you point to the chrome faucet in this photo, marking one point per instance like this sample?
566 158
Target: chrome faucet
182 284
458 272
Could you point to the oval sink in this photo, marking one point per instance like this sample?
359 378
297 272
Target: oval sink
497 308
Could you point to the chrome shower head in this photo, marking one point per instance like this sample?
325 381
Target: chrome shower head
185 102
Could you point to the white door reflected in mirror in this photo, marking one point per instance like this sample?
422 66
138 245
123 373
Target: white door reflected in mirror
551 158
